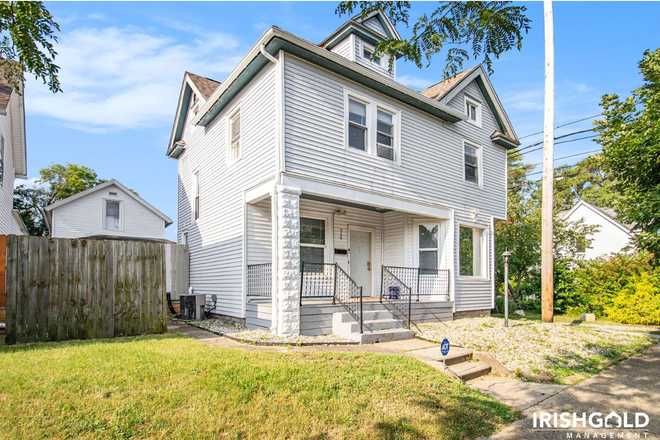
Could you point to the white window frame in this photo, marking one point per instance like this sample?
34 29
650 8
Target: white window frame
480 164
373 106
195 192
329 248
477 105
480 246
442 237
121 214
236 111
366 46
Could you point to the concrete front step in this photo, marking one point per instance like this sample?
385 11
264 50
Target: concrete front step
470 370
368 315
378 324
369 337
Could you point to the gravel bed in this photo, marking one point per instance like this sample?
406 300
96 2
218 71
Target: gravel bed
266 338
536 350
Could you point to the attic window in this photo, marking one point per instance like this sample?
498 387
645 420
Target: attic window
368 53
193 100
112 193
234 152
473 111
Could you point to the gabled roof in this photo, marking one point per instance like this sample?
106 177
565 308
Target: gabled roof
446 90
364 29
275 40
606 213
204 88
113 182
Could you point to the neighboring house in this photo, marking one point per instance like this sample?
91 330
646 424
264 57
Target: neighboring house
611 237
108 209
309 155
13 154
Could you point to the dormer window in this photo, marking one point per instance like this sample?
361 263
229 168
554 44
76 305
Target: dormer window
368 53
473 111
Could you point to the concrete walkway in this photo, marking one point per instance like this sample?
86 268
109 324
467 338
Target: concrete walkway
631 386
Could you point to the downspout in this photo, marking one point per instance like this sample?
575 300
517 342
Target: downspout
273 198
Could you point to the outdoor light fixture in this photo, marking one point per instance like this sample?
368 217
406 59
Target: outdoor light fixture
506 256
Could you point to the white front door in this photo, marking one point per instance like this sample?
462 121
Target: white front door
360 260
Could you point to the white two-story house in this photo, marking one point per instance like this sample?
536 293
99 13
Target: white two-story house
316 190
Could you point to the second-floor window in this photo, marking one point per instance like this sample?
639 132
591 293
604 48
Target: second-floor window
195 194
372 127
473 111
235 136
357 125
471 160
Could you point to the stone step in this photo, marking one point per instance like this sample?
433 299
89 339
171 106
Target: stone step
369 337
470 370
368 315
377 324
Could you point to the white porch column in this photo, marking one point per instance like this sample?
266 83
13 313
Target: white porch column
288 256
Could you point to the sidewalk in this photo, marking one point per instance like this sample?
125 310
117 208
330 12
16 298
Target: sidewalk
631 386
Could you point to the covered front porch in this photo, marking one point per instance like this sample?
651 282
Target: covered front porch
365 263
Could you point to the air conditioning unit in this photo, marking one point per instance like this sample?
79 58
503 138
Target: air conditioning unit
192 306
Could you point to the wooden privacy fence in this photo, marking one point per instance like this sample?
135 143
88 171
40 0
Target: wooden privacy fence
59 289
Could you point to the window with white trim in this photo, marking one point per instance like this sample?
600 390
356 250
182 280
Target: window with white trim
384 134
471 161
357 125
471 251
235 136
473 111
428 245
372 127
112 215
368 54
195 195
312 240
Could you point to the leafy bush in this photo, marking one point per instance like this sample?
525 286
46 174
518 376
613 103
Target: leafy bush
637 303
499 305
622 288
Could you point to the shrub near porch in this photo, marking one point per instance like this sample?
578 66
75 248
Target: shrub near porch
173 387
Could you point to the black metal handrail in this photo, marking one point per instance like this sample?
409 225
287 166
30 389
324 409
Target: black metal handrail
260 279
329 280
423 282
396 293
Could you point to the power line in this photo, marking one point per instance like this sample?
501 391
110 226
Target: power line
556 138
556 159
563 125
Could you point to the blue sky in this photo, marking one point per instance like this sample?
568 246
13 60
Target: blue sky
122 64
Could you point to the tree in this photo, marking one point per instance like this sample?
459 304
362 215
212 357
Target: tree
586 180
483 29
630 136
28 32
57 182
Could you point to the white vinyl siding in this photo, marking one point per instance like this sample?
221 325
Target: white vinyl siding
217 239
259 233
374 24
8 224
610 237
86 216
345 48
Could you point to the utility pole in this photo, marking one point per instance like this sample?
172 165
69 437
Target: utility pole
547 281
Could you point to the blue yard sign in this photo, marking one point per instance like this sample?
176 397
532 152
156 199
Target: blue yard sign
444 347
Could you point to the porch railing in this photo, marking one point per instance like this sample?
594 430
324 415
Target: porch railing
329 280
396 293
423 282
260 279
400 284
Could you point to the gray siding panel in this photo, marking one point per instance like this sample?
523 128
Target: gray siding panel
259 233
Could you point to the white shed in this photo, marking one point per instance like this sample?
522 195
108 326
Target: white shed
109 209
611 237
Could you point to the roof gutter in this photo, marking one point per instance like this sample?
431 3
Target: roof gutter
276 39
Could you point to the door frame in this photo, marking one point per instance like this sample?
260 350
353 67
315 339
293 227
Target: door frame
372 250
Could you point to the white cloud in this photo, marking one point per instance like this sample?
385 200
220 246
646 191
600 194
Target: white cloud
526 100
97 16
126 78
579 87
414 82
30 183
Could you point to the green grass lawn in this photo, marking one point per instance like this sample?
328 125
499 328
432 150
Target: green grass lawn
535 315
172 387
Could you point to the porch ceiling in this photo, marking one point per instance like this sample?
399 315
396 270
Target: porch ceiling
343 203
